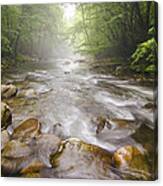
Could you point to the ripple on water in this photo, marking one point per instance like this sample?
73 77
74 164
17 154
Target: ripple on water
116 107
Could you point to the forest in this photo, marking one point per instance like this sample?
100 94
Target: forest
79 90
30 30
123 30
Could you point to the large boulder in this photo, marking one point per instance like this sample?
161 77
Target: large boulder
77 159
7 91
29 158
6 116
27 129
132 162
43 146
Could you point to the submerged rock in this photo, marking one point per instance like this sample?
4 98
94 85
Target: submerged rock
58 130
45 145
150 106
132 162
27 129
4 138
77 159
6 116
7 91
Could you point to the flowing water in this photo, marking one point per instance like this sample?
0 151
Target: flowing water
69 92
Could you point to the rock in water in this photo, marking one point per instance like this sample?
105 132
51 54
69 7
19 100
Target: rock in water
4 138
14 155
77 159
7 91
101 122
28 93
6 116
132 163
59 131
27 129
46 144
16 149
29 158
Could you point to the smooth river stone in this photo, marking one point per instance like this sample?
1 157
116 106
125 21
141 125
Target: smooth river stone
27 129
77 159
132 163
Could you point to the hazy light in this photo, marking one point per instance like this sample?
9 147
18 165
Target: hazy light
69 11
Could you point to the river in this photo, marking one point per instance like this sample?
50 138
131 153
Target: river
69 92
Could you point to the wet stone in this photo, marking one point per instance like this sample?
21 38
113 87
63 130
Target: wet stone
16 149
27 129
27 93
45 145
6 115
77 159
32 168
7 91
14 155
132 163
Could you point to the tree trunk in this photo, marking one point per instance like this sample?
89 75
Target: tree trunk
84 24
148 15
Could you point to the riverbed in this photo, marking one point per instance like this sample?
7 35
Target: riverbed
71 93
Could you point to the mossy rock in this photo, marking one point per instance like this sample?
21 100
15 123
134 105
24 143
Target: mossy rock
132 162
6 115
27 129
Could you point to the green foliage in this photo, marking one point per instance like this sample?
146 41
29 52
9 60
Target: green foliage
112 29
152 32
150 69
126 30
5 43
144 58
